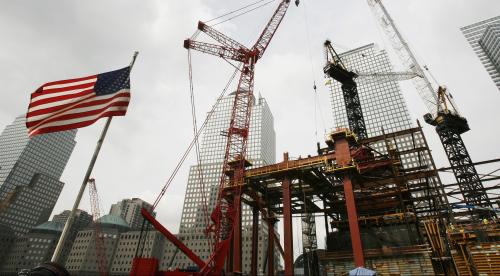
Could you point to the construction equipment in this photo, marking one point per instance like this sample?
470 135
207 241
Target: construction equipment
449 124
337 71
100 251
225 228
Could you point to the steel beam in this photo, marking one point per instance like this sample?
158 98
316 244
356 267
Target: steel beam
255 240
236 256
287 227
343 154
270 246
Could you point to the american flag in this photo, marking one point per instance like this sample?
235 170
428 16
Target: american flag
68 104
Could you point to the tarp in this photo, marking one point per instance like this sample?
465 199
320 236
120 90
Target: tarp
361 271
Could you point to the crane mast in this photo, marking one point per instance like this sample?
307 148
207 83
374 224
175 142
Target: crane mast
442 114
100 252
336 70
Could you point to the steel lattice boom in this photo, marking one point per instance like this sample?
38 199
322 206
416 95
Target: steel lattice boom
100 251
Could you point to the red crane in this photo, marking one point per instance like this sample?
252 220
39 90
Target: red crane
226 216
100 250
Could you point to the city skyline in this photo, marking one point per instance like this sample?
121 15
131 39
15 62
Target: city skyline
143 147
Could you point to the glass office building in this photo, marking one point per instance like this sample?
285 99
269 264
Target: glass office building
484 38
30 169
261 151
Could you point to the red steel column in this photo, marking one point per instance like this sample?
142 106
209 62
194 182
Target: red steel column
270 246
255 240
343 157
237 233
287 227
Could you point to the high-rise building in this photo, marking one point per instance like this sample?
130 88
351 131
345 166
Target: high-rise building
260 151
484 38
130 211
382 103
30 169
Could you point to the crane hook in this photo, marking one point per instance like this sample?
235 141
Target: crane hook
297 2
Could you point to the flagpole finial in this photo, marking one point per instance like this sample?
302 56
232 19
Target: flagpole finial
136 53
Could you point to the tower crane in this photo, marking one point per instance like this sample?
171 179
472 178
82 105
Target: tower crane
443 114
225 227
336 70
100 251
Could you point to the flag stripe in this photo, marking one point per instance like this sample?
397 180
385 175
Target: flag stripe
90 101
48 102
52 95
68 118
68 87
48 107
56 83
80 124
84 106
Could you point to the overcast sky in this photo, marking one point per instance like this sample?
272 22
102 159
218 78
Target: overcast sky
51 40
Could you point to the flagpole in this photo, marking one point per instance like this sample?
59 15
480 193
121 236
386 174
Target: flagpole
69 222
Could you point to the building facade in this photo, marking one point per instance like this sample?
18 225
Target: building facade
30 169
203 182
33 248
130 211
127 246
82 220
484 38
82 259
38 245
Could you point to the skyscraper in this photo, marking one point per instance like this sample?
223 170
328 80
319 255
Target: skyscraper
130 211
484 38
261 151
30 169
382 103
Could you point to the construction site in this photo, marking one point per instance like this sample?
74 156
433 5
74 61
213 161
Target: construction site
384 206
365 201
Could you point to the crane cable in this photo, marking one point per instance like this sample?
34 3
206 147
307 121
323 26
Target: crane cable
242 13
237 10
199 168
316 97
181 161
